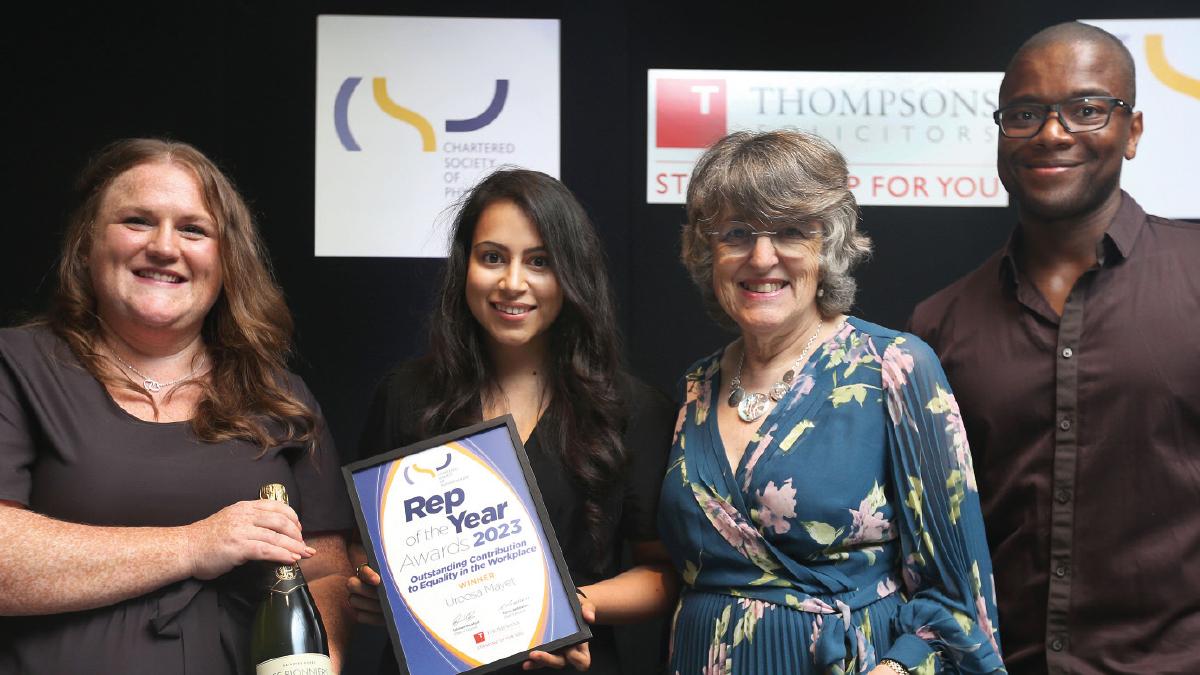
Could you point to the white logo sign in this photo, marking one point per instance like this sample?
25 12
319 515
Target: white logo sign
911 139
413 111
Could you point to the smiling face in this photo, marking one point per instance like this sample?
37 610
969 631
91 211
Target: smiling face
154 260
1057 175
765 293
512 289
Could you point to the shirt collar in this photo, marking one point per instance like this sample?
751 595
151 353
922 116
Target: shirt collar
1008 261
1116 245
1126 226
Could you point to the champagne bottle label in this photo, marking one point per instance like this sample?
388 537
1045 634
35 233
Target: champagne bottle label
296 664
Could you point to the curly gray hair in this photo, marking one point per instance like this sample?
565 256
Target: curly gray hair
776 176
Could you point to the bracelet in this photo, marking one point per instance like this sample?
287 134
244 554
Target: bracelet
895 666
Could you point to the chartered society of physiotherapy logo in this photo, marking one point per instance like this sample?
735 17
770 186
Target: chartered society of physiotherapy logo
414 471
689 113
341 117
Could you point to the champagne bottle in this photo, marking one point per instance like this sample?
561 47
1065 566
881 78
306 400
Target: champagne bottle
288 636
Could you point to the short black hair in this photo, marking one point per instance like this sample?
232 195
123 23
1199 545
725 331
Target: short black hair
1076 32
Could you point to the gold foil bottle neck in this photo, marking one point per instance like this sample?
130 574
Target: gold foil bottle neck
275 491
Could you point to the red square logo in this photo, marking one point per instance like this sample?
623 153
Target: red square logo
689 113
479 637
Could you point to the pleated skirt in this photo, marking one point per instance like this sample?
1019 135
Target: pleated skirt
717 634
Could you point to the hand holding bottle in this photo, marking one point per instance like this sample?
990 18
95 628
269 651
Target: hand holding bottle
288 635
260 529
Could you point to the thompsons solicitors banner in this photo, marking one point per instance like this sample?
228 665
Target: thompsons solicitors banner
413 111
1166 55
911 139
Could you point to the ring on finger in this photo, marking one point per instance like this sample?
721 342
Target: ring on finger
358 570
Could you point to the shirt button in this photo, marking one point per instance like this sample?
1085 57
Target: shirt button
1062 496
1067 352
1060 571
1056 644
1065 424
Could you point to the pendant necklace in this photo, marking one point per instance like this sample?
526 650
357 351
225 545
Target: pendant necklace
149 383
753 405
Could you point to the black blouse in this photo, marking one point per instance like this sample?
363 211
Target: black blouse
393 422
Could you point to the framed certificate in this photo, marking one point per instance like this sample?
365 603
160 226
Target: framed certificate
473 576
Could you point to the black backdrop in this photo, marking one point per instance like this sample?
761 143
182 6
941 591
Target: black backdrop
237 78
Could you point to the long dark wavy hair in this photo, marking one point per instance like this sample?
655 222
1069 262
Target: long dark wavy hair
585 415
247 331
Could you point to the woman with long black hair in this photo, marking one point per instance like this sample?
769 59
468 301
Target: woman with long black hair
525 325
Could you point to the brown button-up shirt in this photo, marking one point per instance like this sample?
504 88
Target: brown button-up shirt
1085 430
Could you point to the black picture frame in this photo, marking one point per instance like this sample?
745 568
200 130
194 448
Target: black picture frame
551 546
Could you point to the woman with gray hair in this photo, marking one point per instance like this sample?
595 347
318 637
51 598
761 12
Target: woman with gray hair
820 502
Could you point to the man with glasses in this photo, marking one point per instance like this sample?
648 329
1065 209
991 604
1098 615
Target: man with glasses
1075 355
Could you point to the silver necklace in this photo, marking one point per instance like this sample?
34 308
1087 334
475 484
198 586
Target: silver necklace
753 405
149 383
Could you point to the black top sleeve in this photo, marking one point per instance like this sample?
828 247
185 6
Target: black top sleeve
392 418
18 451
647 439
318 474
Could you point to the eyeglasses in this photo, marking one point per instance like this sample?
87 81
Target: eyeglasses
1076 115
735 237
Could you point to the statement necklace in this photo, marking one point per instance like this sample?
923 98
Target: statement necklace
753 405
151 385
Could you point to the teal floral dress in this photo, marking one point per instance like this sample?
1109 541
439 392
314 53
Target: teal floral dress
850 531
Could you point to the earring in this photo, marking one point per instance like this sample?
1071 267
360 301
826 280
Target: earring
820 292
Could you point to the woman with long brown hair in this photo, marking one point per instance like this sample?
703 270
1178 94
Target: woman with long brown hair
525 325
138 420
